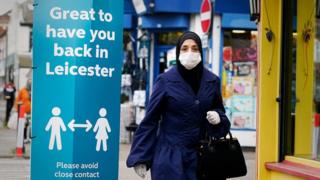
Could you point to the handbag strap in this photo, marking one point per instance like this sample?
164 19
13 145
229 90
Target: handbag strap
207 138
225 137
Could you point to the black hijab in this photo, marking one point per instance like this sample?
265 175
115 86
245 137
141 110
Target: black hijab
192 76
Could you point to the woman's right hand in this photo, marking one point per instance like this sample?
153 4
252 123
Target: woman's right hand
141 170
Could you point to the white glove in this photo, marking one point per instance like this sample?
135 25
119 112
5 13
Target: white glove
213 117
141 170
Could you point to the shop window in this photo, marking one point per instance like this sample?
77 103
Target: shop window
304 140
239 77
127 67
169 38
299 151
316 97
134 68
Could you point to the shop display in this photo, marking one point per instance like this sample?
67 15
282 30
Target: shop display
243 103
126 80
139 98
227 88
127 117
243 120
239 79
171 58
244 68
140 113
243 85
316 97
227 53
244 54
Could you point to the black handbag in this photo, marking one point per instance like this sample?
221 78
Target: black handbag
220 159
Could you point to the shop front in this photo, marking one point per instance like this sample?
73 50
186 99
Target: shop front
238 68
159 27
288 90
151 31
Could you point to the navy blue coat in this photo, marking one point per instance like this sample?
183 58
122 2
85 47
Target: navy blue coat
167 137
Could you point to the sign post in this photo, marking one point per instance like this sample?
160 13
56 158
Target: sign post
77 59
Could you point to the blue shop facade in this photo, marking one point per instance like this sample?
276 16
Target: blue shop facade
151 30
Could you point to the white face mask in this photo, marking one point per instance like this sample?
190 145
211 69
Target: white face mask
190 59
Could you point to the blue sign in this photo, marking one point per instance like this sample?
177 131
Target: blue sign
77 60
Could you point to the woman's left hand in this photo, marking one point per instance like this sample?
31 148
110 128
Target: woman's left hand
213 117
141 170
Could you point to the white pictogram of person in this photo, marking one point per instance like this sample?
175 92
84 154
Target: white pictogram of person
102 128
55 124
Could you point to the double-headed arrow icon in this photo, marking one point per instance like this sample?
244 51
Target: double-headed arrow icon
72 125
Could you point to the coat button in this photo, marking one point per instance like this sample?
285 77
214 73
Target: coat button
197 102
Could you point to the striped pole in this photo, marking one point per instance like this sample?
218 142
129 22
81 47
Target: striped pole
21 124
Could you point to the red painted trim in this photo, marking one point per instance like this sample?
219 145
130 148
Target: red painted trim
19 152
316 120
22 111
295 169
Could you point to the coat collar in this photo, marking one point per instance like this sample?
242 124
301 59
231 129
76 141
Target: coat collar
173 75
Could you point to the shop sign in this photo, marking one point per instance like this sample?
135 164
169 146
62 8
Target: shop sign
205 15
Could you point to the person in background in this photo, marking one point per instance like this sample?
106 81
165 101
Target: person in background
24 99
185 104
9 91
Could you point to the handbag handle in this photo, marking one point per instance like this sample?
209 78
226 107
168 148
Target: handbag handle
229 132
210 140
224 137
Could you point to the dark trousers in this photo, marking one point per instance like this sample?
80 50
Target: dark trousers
8 110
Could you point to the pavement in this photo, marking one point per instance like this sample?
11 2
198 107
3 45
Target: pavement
12 168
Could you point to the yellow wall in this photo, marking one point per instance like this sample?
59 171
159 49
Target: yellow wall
268 108
304 86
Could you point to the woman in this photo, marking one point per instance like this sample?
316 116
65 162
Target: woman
187 100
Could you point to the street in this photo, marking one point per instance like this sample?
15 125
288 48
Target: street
12 168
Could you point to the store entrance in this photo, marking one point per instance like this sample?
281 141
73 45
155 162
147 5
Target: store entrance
164 57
